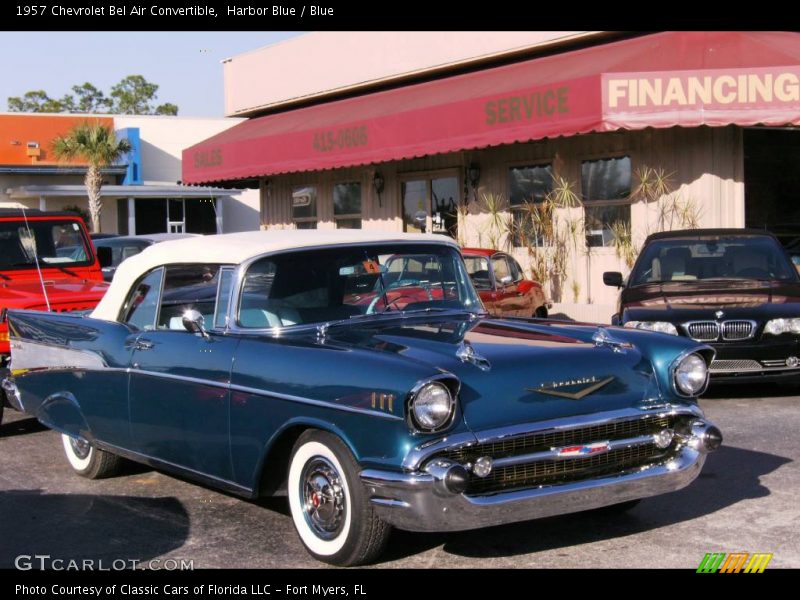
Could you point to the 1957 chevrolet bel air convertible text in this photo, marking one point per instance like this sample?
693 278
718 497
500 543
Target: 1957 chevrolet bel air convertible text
358 374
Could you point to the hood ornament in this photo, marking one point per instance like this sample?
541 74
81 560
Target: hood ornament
467 354
719 314
592 384
602 338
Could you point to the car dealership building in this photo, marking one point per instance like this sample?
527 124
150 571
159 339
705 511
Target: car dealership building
141 194
466 134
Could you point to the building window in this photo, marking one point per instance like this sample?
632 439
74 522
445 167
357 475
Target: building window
304 207
528 187
431 205
347 205
606 190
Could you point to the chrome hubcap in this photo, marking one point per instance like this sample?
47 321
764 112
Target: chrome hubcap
323 498
81 448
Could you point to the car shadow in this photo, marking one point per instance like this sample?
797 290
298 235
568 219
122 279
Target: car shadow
729 476
754 390
20 426
78 526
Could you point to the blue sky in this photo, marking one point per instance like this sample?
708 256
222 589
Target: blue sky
186 65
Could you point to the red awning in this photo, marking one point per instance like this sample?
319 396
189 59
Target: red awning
660 80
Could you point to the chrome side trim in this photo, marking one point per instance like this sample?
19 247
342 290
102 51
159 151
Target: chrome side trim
158 463
239 388
313 402
553 454
417 455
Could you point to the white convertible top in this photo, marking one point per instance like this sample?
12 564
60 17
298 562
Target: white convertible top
234 248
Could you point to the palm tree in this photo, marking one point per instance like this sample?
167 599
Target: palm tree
97 145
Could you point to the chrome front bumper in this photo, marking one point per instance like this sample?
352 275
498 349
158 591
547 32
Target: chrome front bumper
415 502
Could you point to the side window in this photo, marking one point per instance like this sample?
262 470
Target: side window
500 267
142 304
516 270
188 287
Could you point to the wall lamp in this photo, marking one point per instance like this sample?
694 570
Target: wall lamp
378 183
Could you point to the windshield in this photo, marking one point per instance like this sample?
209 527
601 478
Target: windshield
122 248
56 242
734 257
316 286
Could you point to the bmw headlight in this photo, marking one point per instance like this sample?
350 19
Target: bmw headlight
432 406
779 326
659 326
691 375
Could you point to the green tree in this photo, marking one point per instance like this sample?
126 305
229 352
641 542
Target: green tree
99 147
35 101
88 99
134 95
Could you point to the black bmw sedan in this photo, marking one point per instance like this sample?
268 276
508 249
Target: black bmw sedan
734 289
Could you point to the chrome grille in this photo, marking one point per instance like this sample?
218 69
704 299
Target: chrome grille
725 366
563 471
703 331
545 472
737 330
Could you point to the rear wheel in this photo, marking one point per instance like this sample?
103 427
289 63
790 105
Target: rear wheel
88 461
540 313
330 508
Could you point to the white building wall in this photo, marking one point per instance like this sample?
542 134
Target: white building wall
163 139
324 62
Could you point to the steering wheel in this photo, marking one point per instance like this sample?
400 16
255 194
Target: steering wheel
371 308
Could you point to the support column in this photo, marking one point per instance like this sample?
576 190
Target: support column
42 203
131 216
217 213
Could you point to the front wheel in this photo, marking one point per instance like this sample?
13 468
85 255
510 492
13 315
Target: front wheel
329 505
88 461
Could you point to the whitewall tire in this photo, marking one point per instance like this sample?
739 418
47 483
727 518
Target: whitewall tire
329 506
88 461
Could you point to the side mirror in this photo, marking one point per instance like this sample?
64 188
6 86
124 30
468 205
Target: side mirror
613 278
104 256
194 322
507 280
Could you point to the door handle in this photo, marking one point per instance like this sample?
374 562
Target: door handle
143 345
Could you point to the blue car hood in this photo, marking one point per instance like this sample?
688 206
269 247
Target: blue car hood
526 360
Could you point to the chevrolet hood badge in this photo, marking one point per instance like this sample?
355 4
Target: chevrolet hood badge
590 386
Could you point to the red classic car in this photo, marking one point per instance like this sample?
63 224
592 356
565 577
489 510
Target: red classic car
502 285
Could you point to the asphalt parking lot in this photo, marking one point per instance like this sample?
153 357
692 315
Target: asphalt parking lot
745 500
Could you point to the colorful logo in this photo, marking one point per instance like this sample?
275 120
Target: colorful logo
736 562
584 450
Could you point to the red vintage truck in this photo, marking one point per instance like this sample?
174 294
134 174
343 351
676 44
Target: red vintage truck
47 262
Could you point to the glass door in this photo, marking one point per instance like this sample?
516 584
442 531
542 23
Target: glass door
176 215
430 205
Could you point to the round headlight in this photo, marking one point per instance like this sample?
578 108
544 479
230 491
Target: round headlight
432 406
691 375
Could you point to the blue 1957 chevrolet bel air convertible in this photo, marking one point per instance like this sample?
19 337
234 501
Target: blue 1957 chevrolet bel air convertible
358 374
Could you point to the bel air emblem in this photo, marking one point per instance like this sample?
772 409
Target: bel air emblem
591 385
584 450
